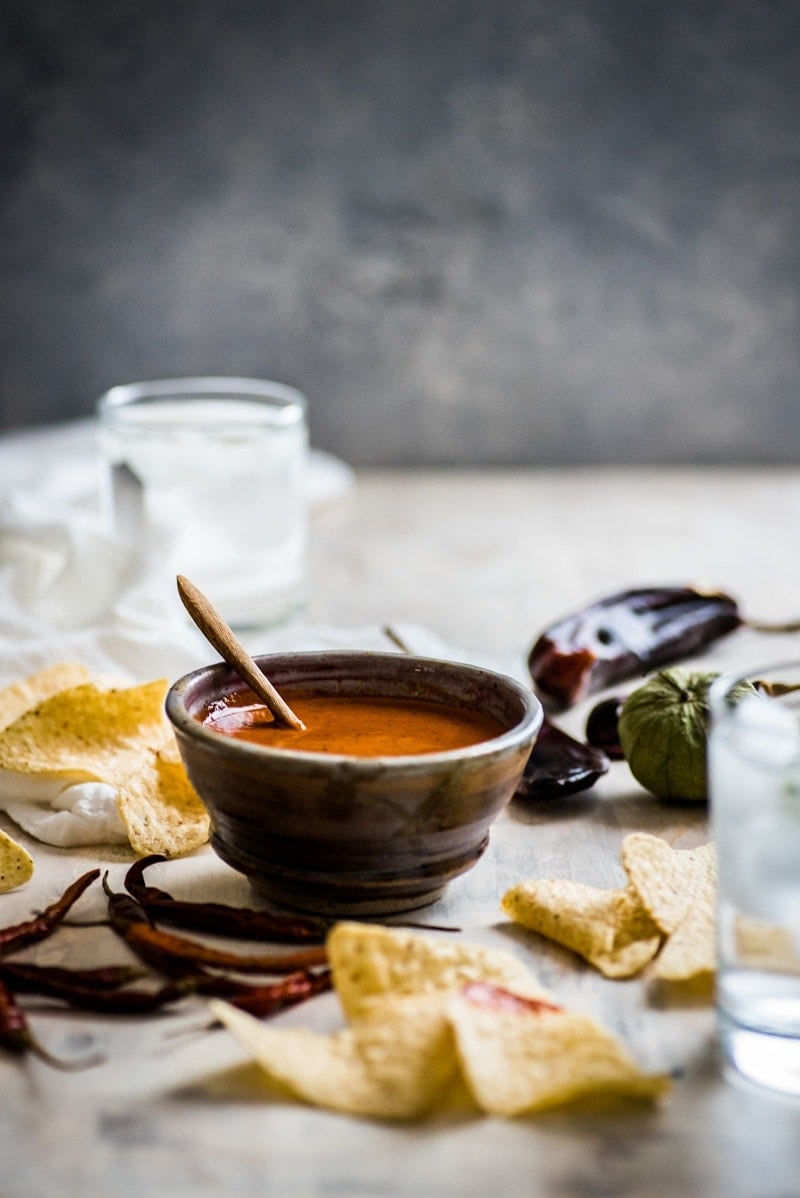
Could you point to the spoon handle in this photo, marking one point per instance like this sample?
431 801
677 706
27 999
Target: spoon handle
231 650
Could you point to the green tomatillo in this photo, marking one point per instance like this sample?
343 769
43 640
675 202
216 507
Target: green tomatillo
663 729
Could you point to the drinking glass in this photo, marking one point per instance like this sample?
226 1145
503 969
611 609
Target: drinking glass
207 478
754 782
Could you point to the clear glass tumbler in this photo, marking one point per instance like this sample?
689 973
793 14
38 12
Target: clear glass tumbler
754 780
207 477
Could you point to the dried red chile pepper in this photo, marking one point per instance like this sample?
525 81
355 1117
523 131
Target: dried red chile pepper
177 954
106 989
217 918
560 765
602 727
624 635
41 926
88 997
264 1000
17 1038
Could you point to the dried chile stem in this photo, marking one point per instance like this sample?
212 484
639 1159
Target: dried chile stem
392 635
41 926
765 626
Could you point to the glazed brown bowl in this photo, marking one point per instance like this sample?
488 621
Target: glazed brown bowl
341 835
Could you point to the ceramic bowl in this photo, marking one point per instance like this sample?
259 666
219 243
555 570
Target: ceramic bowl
338 835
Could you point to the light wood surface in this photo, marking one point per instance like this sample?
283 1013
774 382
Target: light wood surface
483 560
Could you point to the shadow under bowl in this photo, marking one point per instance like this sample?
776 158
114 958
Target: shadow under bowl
337 835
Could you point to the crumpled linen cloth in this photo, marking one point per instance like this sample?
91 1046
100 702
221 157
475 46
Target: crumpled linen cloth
71 591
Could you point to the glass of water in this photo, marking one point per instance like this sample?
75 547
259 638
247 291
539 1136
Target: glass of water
754 779
207 477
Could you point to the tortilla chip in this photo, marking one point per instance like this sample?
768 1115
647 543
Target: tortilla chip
690 951
763 945
669 880
370 962
393 1064
120 737
87 734
16 864
160 808
520 1057
20 696
609 928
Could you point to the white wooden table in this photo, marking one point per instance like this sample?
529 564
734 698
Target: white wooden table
485 560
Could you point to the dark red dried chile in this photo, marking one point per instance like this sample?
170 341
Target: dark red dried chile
560 765
624 635
602 727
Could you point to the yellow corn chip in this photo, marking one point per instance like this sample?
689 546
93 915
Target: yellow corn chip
21 696
86 733
393 1064
16 864
160 808
763 945
121 737
610 928
370 962
519 1058
669 880
691 949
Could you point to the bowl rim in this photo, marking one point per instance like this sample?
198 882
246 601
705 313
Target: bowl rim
527 727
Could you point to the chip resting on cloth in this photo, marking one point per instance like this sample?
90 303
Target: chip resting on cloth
16 864
427 1020
19 697
119 738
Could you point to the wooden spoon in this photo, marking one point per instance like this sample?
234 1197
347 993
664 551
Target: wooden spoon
231 650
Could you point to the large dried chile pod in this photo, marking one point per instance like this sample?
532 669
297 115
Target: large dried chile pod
560 765
623 636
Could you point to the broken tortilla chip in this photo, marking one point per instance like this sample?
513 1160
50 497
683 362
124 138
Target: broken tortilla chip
160 808
395 1063
120 737
370 962
19 697
759 944
678 889
16 864
519 1057
609 928
690 951
668 880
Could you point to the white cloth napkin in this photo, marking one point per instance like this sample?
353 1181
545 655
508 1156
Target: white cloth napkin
68 587
70 591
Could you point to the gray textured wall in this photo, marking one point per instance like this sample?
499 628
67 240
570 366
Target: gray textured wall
503 232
